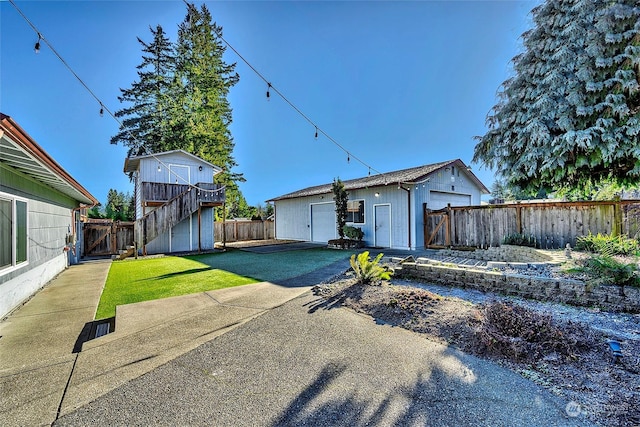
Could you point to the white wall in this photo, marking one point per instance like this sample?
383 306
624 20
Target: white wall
18 289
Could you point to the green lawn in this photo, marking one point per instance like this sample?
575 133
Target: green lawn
153 278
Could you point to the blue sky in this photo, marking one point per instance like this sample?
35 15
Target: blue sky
398 84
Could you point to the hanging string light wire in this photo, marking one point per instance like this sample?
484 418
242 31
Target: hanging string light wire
292 105
103 108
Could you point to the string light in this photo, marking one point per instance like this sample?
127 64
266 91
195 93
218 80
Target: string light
102 107
348 158
269 87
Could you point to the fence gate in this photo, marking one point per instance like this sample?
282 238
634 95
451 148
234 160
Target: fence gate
436 228
106 237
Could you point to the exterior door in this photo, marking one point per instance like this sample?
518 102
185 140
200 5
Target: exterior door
382 223
179 174
323 222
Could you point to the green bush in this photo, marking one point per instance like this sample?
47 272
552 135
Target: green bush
368 271
607 244
605 269
353 233
518 239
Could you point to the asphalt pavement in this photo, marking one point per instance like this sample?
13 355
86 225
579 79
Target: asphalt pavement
303 363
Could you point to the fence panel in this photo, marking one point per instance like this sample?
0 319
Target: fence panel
237 231
552 224
106 237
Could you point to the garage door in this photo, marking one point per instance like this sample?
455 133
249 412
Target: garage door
323 222
439 200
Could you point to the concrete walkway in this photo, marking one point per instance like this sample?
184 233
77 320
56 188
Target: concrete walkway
36 348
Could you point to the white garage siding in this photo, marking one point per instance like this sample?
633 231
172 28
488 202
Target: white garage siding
293 217
439 200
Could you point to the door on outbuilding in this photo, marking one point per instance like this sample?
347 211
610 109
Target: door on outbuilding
323 222
382 226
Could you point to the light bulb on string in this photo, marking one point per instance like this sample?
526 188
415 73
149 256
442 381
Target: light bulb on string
316 132
348 158
101 110
369 170
36 48
268 94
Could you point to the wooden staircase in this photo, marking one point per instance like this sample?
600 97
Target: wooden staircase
184 202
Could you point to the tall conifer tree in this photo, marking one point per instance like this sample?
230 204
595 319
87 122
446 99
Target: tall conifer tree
144 122
571 113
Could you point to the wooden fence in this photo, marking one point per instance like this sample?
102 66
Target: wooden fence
551 224
104 237
236 231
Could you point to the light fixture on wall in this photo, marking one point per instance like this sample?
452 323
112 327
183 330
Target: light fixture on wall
200 168
159 170
377 194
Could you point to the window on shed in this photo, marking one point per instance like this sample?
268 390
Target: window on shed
355 211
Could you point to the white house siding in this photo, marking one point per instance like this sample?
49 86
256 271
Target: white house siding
49 221
149 169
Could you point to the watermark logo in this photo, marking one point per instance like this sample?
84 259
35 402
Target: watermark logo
573 409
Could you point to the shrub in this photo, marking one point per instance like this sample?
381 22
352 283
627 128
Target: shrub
520 240
368 271
608 244
354 233
606 269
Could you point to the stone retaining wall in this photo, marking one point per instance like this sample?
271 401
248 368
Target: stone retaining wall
574 292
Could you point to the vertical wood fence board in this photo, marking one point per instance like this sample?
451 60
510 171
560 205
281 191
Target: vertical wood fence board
552 224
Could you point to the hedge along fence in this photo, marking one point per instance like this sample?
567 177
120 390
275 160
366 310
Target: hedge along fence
236 231
552 224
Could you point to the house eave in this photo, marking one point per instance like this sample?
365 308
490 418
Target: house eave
20 152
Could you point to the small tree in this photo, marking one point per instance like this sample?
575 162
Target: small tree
340 196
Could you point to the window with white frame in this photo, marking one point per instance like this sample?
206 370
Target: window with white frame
355 211
13 231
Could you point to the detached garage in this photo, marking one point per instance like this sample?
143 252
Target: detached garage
387 207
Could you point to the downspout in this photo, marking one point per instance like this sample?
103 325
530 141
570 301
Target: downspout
408 190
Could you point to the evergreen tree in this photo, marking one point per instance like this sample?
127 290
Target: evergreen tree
571 113
340 197
145 123
205 83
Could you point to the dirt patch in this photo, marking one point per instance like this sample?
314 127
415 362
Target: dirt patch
569 358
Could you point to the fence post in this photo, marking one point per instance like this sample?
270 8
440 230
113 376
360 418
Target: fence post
617 219
449 226
424 223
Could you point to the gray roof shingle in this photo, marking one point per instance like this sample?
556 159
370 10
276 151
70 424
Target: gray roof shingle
405 176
